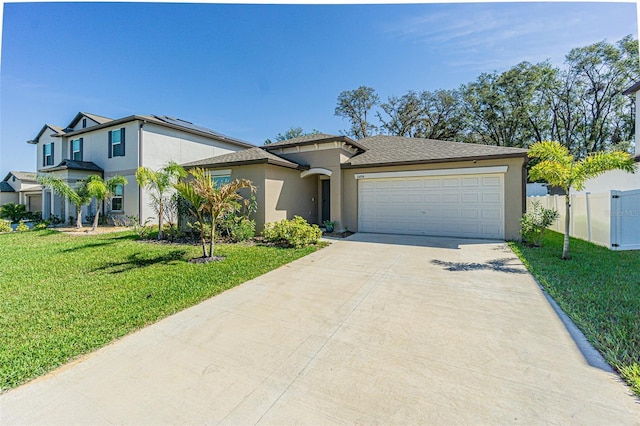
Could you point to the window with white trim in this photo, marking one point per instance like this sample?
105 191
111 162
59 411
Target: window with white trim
47 154
76 149
117 200
219 177
116 143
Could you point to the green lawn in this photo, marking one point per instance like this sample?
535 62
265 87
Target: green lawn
600 290
62 296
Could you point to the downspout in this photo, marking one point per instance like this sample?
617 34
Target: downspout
140 165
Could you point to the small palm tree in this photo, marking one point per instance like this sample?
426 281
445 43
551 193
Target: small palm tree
79 195
102 190
215 201
159 182
559 168
195 201
12 211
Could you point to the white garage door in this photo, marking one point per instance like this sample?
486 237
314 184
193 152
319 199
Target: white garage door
469 205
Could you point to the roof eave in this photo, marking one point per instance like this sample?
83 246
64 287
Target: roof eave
433 161
160 123
633 89
344 139
248 163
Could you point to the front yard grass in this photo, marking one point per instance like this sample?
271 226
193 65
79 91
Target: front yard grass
600 290
62 296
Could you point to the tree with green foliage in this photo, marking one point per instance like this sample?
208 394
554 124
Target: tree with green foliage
559 168
101 190
79 195
12 211
354 105
194 203
431 115
159 183
292 132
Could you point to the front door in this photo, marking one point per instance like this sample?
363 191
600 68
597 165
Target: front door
326 199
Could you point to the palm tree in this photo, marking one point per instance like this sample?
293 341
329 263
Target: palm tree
195 201
79 195
215 201
102 190
159 182
12 211
559 168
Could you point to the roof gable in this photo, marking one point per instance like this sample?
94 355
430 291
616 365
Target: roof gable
97 119
313 139
59 131
23 176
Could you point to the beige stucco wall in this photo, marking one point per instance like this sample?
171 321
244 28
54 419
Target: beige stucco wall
329 159
288 195
513 186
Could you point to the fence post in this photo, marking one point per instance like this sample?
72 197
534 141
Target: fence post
588 206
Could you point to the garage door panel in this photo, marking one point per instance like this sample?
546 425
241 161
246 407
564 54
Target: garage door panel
466 206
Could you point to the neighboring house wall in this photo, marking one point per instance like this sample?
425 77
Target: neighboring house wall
8 197
637 124
161 145
513 189
615 179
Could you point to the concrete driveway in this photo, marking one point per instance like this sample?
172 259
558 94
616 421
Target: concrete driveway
375 329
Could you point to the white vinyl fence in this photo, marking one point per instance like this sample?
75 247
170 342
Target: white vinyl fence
609 219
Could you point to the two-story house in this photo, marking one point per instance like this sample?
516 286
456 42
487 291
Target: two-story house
91 144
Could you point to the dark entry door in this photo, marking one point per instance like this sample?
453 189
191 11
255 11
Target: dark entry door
326 200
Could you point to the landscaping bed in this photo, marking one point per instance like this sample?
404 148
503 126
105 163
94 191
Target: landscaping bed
599 290
64 295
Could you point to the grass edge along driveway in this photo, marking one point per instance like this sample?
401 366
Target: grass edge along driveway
63 296
599 289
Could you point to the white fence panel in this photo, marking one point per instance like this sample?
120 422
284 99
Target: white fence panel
625 220
608 219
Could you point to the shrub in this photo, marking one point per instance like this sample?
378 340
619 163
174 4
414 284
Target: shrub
22 227
293 233
14 212
534 223
5 226
237 228
41 225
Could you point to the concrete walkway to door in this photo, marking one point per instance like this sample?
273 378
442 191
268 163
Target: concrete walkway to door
373 329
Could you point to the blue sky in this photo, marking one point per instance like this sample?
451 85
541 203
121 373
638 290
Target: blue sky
252 71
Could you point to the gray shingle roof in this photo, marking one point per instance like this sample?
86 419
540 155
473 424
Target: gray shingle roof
246 156
97 118
23 176
384 149
5 187
77 165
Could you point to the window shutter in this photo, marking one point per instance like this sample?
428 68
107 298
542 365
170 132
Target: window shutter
122 141
70 150
81 149
110 144
53 157
44 154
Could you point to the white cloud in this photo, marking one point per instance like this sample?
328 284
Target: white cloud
485 36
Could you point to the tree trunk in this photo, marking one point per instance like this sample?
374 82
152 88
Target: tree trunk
213 236
79 217
95 219
160 214
567 226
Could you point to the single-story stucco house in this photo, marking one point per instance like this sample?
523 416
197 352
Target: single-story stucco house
384 184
